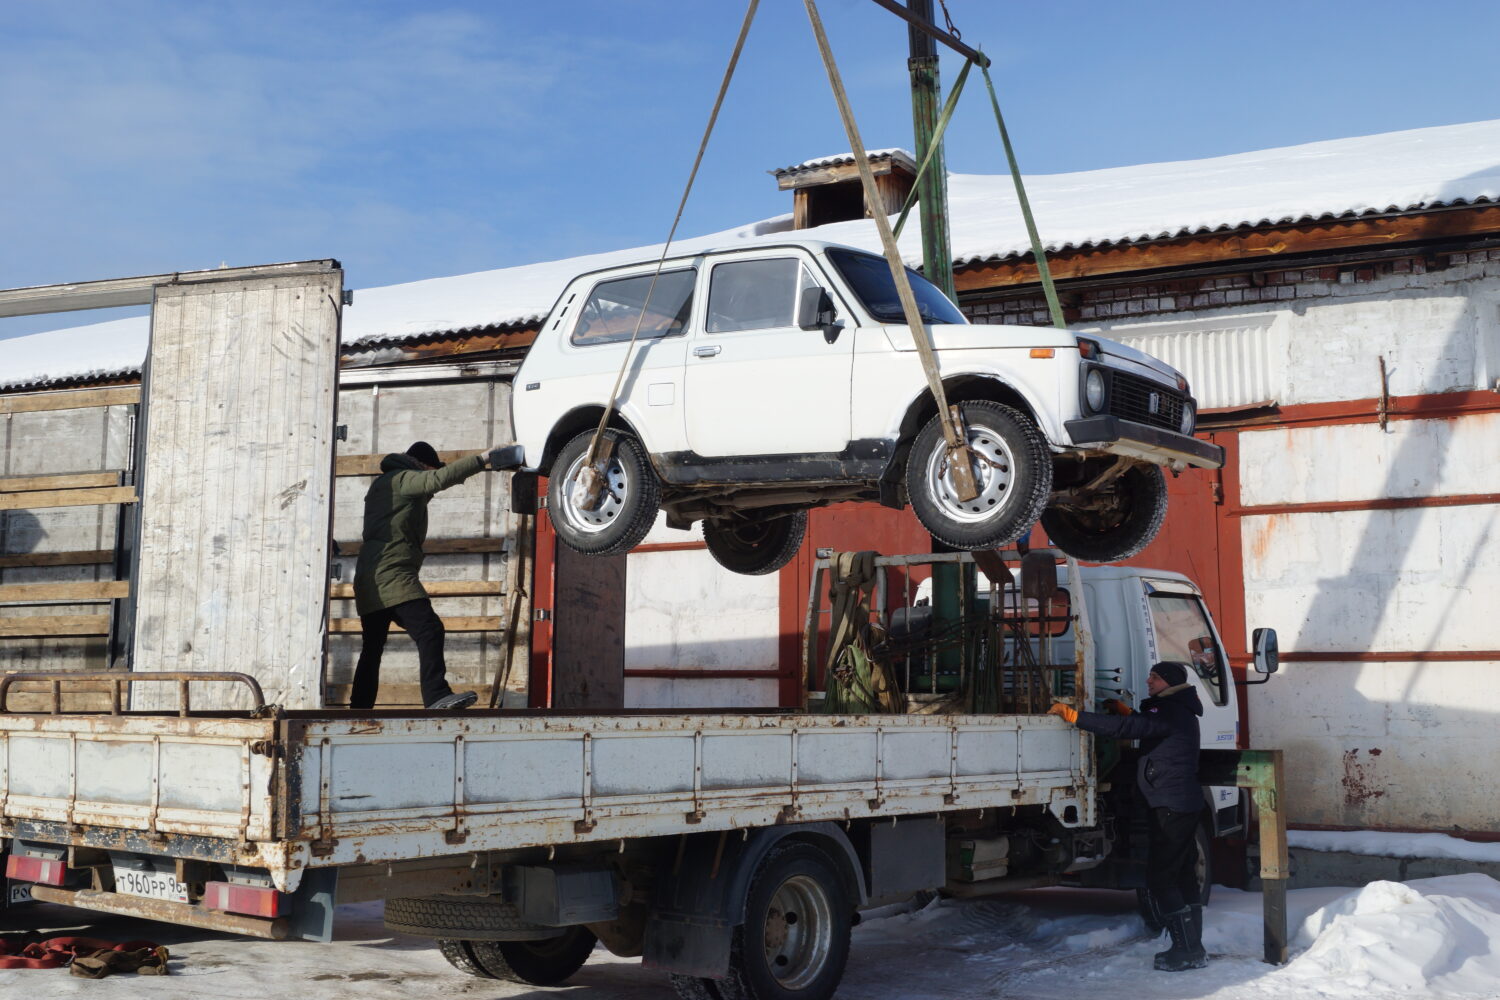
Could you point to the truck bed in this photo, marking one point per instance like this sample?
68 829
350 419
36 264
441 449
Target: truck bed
310 790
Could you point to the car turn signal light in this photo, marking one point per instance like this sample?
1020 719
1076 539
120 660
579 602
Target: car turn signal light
1043 352
1088 348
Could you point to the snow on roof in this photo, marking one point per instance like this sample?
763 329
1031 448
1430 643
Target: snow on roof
1398 171
894 153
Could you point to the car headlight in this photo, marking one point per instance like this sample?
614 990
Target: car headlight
1189 416
1093 389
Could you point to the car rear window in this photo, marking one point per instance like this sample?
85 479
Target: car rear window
613 308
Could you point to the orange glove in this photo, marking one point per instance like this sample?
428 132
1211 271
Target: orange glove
1067 713
1117 707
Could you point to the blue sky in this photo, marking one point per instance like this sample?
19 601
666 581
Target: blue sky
415 140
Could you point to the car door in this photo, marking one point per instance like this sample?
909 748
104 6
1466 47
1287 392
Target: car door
755 383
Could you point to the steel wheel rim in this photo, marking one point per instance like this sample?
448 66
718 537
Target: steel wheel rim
616 488
993 474
798 933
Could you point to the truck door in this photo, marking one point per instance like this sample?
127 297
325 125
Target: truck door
1182 630
756 383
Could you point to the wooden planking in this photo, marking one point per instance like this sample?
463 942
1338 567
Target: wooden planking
72 481
237 501
72 399
81 590
588 658
475 623
111 293
44 499
1266 244
53 626
87 557
837 173
434 588
369 465
441 546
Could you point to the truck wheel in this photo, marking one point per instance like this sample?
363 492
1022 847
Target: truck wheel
693 988
1012 468
453 917
461 957
794 943
626 509
1124 520
755 544
1203 872
536 963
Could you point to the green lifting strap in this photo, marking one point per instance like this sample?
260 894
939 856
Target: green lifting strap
1048 288
935 144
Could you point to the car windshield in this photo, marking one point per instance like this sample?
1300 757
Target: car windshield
870 278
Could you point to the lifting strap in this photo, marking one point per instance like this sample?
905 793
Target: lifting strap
591 477
853 679
960 459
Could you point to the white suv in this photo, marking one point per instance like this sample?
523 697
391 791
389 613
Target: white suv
769 379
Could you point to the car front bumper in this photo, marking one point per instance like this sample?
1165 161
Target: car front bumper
1153 444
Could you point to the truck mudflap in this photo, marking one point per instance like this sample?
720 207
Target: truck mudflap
1135 440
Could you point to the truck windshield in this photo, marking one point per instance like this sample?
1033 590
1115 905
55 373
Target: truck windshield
870 278
1184 634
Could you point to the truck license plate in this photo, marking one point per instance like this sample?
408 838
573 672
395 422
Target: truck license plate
20 892
153 885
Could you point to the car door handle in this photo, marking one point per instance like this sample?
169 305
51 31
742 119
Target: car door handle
706 351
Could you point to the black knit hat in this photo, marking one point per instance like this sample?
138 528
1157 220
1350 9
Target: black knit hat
1172 672
426 454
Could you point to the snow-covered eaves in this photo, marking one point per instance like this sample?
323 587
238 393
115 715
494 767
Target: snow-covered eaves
901 156
1398 172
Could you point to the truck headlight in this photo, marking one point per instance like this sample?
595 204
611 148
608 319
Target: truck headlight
1189 416
1093 390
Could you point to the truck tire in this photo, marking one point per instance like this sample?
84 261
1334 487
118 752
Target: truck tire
461 957
1127 518
464 919
1203 866
693 988
1013 471
625 512
536 963
755 544
794 942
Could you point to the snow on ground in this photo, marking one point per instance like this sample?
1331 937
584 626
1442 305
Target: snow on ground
1430 938
1379 843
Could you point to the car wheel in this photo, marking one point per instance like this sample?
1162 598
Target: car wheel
536 963
756 543
1203 874
1012 468
794 943
627 506
1124 519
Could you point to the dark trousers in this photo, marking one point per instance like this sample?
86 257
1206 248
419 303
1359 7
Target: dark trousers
1172 857
426 630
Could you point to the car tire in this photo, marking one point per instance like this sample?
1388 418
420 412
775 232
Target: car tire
1014 475
625 512
1130 514
755 544
1203 869
536 963
794 943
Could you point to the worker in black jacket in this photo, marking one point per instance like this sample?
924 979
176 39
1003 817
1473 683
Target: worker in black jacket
1167 773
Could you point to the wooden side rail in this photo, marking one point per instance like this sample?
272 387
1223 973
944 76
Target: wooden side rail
118 679
70 399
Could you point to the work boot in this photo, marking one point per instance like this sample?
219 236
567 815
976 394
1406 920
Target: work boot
1187 942
453 700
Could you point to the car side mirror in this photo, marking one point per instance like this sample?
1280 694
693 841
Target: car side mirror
1266 650
815 312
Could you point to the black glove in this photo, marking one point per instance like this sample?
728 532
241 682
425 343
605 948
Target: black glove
508 456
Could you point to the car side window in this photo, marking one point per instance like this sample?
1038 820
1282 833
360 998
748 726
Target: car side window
754 294
1183 634
610 314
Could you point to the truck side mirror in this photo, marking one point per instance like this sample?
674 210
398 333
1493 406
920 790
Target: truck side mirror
1266 651
815 312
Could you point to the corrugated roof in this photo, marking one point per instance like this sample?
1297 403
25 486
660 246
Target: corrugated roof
1429 168
902 156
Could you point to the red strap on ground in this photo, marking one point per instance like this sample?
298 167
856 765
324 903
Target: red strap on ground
54 953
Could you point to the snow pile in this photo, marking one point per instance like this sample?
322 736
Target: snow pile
1430 935
1378 843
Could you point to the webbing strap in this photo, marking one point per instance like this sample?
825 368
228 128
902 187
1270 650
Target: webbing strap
54 953
614 394
1043 270
933 146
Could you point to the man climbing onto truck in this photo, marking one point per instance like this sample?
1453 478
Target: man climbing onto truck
386 584
1167 774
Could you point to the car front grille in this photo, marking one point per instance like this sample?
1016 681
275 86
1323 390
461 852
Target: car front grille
1131 398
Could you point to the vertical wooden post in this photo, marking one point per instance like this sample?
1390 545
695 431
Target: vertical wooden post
1275 865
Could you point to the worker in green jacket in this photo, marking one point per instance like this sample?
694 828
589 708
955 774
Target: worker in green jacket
386 585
